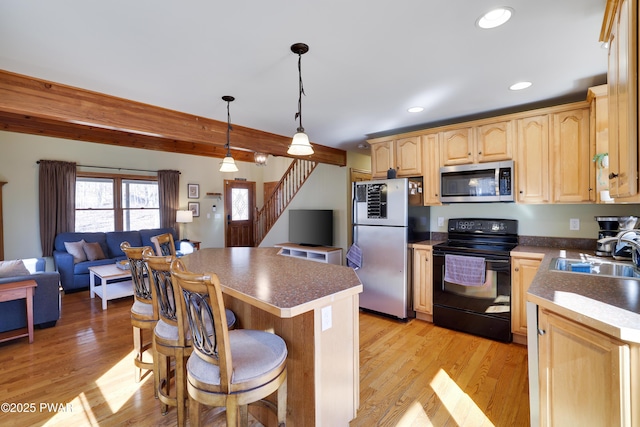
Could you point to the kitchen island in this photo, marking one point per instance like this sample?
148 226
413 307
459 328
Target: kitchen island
313 307
584 360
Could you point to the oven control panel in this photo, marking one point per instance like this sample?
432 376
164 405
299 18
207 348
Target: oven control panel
483 226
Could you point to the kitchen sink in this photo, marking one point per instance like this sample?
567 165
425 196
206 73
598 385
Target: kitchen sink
595 267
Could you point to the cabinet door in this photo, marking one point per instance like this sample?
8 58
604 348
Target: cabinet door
623 96
584 375
431 190
423 280
457 147
570 157
522 272
533 159
409 156
494 142
382 158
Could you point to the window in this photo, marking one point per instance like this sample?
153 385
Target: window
116 203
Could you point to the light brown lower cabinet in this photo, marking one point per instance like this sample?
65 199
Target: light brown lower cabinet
585 376
423 282
523 269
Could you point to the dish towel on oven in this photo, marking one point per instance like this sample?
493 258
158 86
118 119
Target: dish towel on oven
354 257
464 270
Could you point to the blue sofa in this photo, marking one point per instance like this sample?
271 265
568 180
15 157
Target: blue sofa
46 300
75 277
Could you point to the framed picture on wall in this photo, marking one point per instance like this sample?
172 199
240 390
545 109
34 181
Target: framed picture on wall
194 207
193 191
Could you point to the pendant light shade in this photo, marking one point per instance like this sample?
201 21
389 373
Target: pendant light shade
228 164
300 145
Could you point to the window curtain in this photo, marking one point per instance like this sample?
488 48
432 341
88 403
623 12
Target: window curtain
168 189
57 197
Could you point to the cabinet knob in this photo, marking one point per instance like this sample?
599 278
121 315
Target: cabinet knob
517 269
479 152
541 332
521 191
613 175
469 153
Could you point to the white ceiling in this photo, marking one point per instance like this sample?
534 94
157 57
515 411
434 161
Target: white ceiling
369 60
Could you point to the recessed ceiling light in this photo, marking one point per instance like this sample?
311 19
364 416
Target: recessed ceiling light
495 18
415 109
520 85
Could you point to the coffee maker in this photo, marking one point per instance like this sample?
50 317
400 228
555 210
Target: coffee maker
610 228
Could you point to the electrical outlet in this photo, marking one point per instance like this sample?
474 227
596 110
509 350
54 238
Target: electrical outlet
326 318
440 221
574 224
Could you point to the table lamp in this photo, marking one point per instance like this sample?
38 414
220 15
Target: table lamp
184 217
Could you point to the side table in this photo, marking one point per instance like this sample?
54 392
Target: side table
15 291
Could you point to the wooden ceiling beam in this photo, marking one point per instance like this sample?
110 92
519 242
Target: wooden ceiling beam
30 105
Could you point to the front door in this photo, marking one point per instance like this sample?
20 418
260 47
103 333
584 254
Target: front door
239 206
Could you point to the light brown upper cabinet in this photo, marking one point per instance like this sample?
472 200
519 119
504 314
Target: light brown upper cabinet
491 142
570 156
620 29
533 159
554 157
457 146
403 154
431 170
599 134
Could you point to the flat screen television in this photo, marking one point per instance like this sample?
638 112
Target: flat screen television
311 227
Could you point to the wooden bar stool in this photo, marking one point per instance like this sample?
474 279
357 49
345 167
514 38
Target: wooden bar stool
170 336
227 368
144 314
164 244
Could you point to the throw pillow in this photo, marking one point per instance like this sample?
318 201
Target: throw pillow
13 268
76 249
93 251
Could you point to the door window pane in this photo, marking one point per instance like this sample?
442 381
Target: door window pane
239 204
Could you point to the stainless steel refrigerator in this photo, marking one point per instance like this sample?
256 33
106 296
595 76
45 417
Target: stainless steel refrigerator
388 215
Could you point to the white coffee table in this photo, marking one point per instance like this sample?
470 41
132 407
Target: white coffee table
106 290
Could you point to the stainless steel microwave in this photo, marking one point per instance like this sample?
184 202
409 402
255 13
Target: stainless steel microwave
478 182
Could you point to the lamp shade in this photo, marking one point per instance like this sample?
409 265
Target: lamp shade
184 216
228 165
300 145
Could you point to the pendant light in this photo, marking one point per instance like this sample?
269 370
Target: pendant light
300 145
228 164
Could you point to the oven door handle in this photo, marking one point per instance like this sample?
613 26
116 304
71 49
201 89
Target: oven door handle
494 261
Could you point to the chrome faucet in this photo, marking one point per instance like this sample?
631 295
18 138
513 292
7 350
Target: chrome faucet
622 237
635 244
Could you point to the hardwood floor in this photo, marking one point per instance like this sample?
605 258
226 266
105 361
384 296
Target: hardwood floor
81 373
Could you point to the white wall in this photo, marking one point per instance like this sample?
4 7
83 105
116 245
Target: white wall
325 189
19 153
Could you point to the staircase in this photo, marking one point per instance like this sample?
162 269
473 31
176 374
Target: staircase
295 176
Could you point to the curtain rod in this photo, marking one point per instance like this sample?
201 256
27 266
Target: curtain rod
108 167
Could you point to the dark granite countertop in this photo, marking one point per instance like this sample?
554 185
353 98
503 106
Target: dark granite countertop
284 286
610 305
